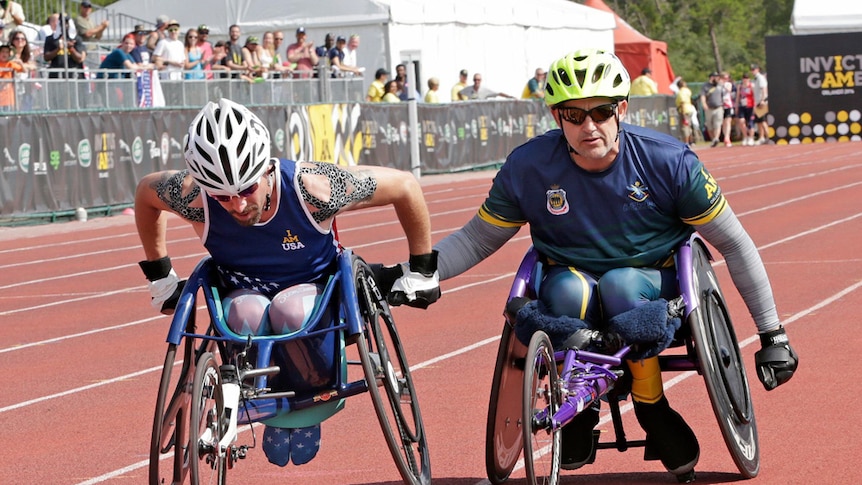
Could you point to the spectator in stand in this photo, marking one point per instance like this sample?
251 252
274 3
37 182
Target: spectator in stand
8 69
336 58
328 44
302 54
460 85
21 52
219 61
745 110
121 58
58 49
234 52
476 91
12 16
158 34
206 48
433 85
727 105
644 85
251 58
194 56
404 90
761 106
270 57
141 53
535 88
378 86
350 55
87 29
391 95
711 95
48 28
169 55
278 40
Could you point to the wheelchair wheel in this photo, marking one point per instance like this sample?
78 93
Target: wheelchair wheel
503 437
541 400
722 368
390 382
170 425
207 424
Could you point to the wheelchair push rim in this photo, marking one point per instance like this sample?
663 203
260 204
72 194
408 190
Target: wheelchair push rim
722 368
503 436
390 382
170 441
207 424
541 401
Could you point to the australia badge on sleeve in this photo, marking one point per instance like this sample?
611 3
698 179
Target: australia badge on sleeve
557 202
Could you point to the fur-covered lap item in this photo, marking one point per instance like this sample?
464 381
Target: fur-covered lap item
647 328
534 316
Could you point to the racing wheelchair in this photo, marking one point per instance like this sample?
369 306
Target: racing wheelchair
537 389
226 379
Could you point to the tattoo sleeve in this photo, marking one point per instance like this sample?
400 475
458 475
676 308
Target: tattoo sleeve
345 188
170 190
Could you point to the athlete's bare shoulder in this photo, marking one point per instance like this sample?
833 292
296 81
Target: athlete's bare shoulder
178 191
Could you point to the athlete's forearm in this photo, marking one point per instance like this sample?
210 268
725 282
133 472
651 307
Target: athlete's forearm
466 247
726 233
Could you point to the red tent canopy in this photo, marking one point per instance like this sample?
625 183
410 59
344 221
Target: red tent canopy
638 51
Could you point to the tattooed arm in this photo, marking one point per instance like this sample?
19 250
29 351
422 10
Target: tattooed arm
172 191
329 189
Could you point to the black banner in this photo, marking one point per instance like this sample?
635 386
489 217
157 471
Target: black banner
815 87
55 163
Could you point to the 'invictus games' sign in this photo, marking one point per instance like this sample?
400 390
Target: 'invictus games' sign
815 87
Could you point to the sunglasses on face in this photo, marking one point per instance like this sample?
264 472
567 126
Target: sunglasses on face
173 30
599 114
245 193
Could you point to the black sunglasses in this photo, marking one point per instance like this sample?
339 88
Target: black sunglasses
599 114
244 193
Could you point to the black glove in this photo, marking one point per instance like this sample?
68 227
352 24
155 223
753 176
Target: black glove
776 360
419 283
165 286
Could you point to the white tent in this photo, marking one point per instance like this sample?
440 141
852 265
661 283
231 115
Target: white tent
826 16
505 40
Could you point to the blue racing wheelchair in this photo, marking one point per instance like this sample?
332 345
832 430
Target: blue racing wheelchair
214 379
537 389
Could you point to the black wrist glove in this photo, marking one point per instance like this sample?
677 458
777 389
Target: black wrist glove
776 361
419 284
165 286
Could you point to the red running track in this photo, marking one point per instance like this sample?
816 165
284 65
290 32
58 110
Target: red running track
81 349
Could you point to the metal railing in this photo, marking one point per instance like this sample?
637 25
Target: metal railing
114 89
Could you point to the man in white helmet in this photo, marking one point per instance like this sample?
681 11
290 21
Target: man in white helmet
607 204
242 203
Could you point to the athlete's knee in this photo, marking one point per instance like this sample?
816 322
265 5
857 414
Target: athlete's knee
567 291
245 312
291 307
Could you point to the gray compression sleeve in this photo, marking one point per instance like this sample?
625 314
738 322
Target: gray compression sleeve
469 245
726 233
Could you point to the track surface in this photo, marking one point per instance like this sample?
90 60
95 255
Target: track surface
81 349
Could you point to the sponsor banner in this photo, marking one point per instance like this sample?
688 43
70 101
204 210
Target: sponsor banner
815 87
58 162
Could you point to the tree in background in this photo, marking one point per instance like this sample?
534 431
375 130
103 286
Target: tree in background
712 35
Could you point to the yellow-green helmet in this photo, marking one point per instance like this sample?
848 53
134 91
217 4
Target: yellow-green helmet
587 73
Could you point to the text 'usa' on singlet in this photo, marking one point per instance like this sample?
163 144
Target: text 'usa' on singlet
288 249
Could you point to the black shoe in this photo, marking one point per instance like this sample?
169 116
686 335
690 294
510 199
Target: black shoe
714 144
668 436
578 446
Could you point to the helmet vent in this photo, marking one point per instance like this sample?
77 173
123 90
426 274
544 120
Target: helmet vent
224 158
618 80
563 77
581 75
599 73
203 153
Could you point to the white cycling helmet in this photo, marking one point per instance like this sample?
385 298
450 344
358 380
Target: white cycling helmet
227 149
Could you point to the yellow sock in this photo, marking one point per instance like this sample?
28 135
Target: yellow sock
646 380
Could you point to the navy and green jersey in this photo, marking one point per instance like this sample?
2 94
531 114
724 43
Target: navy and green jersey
631 215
